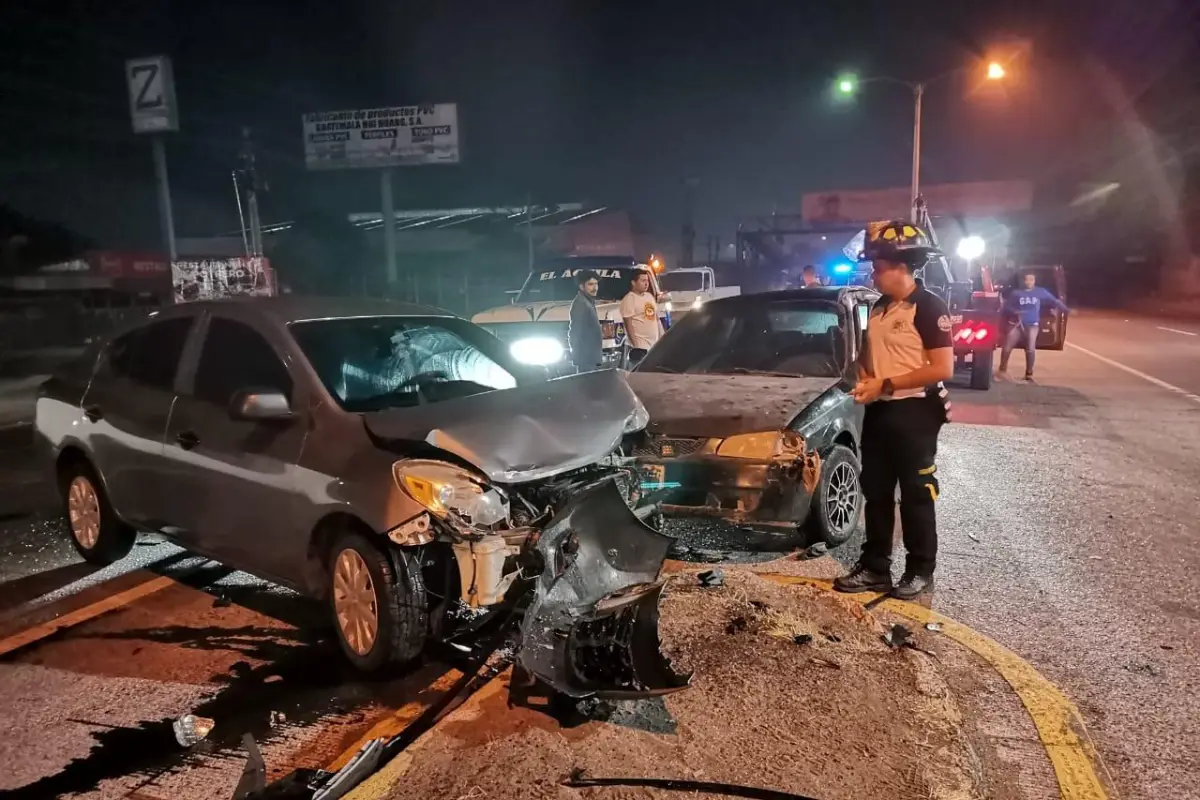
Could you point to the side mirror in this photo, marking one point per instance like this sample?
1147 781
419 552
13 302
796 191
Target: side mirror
512 296
260 405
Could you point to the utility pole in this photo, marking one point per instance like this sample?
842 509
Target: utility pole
687 259
918 95
389 228
252 184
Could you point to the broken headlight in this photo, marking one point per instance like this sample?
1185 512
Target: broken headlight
638 419
449 492
761 446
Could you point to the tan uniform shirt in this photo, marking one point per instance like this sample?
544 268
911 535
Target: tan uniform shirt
899 333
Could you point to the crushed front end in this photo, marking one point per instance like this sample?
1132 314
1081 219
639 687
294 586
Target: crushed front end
591 627
761 480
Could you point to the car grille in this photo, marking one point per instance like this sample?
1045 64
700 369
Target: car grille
509 332
662 447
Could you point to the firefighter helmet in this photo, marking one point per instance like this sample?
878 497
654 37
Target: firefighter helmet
897 240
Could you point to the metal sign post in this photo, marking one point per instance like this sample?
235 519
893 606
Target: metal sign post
389 224
153 110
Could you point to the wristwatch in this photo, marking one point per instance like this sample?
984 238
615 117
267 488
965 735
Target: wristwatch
887 387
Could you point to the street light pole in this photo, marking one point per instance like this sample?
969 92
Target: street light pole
918 95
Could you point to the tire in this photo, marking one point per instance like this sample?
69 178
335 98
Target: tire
96 531
825 522
394 593
981 369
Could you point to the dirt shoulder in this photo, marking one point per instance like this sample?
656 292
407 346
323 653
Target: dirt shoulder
794 689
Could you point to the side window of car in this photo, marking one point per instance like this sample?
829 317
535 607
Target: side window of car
237 357
148 355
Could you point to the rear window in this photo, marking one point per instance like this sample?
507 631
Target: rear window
149 355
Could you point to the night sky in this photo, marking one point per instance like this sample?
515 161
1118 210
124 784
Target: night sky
607 102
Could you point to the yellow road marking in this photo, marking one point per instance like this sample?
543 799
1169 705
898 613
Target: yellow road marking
380 785
398 720
1059 724
91 611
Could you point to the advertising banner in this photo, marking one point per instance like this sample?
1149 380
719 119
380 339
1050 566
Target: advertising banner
981 199
400 136
214 278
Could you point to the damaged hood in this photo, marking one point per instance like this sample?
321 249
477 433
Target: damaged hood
719 406
524 434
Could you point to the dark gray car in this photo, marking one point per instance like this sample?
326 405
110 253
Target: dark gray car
751 417
390 458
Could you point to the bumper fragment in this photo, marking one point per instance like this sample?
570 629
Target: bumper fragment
591 628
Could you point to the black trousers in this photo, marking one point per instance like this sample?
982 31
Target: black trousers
899 446
636 354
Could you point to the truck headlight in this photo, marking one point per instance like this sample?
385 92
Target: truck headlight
669 306
538 351
448 492
699 301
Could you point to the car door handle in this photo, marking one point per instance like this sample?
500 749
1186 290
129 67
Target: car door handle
93 413
187 440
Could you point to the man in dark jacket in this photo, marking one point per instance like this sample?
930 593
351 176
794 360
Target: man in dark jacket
583 333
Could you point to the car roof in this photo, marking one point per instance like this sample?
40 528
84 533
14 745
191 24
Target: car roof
826 294
292 308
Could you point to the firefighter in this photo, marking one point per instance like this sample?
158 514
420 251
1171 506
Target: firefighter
908 352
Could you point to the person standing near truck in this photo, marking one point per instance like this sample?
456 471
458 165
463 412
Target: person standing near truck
1024 308
583 332
811 281
908 353
639 310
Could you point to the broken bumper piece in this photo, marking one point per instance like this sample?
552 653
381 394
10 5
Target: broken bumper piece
591 629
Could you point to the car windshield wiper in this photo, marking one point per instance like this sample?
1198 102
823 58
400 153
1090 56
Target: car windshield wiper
769 373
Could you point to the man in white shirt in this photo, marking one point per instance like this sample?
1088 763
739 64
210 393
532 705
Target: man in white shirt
639 309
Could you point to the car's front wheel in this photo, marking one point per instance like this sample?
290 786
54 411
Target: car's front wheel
379 603
99 536
837 504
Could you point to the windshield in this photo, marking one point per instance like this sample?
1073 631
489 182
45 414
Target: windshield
785 337
557 282
373 363
682 281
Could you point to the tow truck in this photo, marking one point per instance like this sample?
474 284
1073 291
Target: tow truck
534 325
975 315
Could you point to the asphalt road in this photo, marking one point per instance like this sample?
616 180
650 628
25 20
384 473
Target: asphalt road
1068 534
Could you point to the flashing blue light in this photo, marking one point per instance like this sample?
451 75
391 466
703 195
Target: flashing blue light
843 268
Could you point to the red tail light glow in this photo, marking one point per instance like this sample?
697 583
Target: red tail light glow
972 332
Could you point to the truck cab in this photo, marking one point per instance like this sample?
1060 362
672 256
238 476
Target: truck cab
690 288
535 324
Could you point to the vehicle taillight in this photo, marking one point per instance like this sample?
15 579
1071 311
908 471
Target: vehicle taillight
968 334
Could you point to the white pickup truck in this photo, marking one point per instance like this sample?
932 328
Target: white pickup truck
535 324
692 287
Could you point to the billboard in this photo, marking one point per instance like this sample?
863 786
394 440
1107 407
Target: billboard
214 278
980 199
399 136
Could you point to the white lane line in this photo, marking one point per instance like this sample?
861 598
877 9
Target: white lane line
1170 387
1175 330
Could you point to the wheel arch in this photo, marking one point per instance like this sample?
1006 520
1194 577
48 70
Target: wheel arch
320 541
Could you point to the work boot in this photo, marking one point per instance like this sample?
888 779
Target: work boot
912 586
861 579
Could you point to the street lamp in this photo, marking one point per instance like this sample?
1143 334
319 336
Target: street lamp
848 85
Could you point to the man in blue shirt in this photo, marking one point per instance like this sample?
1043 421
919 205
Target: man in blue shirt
1024 306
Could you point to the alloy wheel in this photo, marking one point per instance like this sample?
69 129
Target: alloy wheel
354 602
83 512
841 501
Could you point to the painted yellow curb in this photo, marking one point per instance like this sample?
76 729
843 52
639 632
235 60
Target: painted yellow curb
380 784
1059 724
